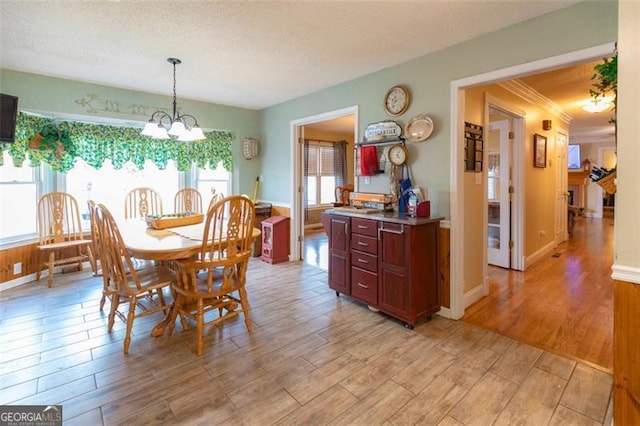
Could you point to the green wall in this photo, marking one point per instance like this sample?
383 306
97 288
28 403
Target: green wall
583 25
73 99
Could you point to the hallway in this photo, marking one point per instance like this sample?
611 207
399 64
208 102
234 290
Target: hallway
562 304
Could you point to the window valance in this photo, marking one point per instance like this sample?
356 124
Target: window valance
95 143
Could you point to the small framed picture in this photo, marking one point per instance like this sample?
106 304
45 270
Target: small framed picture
539 151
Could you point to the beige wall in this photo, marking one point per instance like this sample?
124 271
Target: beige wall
474 240
627 231
539 183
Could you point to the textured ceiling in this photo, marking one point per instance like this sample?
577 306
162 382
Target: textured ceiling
569 88
256 54
243 53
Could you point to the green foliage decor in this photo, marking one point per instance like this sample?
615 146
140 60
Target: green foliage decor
605 79
95 143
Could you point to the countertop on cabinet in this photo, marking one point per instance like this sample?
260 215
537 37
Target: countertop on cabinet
393 217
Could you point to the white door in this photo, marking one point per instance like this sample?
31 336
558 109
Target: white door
498 196
561 233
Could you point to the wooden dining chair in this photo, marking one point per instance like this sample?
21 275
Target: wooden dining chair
217 196
342 194
60 237
216 279
141 202
141 290
187 200
95 267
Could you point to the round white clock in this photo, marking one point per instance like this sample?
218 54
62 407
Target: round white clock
396 101
397 154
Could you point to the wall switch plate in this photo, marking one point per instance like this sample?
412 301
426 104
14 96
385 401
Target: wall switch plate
17 268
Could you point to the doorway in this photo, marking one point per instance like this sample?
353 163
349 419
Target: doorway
464 292
334 125
499 240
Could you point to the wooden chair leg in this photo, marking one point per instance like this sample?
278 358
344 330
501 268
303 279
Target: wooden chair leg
177 303
200 325
130 317
39 265
115 302
52 259
102 300
244 301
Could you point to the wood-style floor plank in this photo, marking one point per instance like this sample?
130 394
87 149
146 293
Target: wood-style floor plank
312 358
562 304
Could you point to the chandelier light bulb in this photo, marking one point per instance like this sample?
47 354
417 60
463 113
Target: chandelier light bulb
177 128
177 122
197 134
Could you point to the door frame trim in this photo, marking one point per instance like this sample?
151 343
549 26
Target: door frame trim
297 160
456 178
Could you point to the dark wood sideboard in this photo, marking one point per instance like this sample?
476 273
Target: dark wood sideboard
386 260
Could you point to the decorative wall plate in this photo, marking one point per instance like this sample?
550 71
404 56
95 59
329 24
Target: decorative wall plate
418 129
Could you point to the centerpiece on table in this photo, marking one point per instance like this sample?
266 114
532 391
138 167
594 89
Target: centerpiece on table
174 219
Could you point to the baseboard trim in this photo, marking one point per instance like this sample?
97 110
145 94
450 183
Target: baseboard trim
544 251
473 295
628 274
20 281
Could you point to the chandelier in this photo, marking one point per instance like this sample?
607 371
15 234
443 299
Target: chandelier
177 123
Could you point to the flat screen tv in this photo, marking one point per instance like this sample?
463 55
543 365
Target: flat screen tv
573 156
8 117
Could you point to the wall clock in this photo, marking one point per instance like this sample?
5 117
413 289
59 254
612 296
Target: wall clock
397 100
397 154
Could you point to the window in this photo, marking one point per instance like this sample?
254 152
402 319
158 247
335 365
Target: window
20 188
110 186
210 181
573 157
320 173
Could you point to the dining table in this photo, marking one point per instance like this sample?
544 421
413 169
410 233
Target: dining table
164 245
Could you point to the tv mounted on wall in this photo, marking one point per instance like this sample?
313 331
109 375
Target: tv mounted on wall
8 117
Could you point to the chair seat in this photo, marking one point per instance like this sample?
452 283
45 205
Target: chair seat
203 288
152 277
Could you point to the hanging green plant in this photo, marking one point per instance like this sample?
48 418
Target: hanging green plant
54 139
606 82
606 86
96 143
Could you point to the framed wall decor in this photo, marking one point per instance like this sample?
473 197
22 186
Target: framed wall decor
539 151
473 147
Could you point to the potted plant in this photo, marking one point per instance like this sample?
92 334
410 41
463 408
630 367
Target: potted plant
606 85
52 138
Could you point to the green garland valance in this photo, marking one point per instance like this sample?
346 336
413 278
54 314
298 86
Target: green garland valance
95 143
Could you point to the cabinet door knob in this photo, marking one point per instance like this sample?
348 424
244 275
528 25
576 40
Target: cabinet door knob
363 260
362 285
360 243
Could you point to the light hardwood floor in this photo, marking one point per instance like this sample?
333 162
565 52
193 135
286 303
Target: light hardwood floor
562 304
311 359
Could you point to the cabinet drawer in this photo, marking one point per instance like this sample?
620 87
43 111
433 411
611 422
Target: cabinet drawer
364 243
364 286
364 226
364 261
